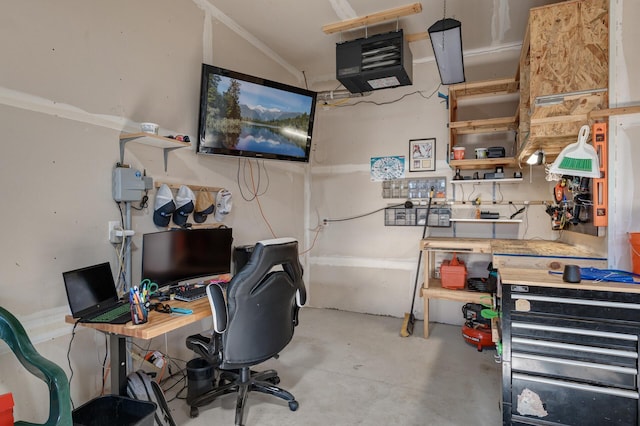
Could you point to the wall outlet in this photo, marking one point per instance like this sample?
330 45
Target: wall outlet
113 226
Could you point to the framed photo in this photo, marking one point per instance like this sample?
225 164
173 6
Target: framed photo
422 155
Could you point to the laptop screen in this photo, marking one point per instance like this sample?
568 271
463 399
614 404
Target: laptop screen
89 289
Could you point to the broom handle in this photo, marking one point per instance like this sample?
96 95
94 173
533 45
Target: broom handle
424 233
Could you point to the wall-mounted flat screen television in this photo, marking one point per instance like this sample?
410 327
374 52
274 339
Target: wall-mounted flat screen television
177 256
246 116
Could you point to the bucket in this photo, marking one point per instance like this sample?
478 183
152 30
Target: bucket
458 152
481 153
634 241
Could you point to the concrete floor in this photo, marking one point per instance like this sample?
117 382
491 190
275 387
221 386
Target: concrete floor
354 369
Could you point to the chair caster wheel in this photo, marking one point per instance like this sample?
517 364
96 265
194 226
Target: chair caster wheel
193 413
274 380
293 405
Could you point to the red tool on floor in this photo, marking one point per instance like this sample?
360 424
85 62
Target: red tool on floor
476 329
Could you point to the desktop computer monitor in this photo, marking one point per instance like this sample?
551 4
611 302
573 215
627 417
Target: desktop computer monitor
173 257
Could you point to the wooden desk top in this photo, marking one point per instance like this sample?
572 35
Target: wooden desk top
534 277
158 323
497 247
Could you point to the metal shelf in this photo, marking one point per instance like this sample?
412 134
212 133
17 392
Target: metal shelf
506 180
167 144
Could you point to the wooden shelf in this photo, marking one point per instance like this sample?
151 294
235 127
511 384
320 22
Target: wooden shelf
167 144
483 88
453 219
485 163
436 291
486 95
489 125
506 180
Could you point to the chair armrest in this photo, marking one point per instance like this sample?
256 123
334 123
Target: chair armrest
218 307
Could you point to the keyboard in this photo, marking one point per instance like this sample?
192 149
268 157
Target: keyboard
112 314
190 294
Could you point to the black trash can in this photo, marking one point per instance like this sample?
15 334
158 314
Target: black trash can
114 410
200 378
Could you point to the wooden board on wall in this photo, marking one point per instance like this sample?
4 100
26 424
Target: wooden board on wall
569 45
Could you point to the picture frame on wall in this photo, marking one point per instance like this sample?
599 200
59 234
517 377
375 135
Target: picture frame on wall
422 155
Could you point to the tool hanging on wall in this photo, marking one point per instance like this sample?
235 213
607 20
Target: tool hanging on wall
578 158
409 319
600 197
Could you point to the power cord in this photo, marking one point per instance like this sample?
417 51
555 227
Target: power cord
407 204
73 335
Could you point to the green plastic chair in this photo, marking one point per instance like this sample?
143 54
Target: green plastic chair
12 332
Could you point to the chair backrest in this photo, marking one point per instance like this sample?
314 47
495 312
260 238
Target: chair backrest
12 332
262 301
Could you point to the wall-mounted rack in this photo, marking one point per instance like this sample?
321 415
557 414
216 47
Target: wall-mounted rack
194 188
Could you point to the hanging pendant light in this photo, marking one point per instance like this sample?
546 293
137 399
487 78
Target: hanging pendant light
446 39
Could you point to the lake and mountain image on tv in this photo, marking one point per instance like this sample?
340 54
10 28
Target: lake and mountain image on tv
243 118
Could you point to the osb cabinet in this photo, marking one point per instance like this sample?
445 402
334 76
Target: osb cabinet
563 73
483 114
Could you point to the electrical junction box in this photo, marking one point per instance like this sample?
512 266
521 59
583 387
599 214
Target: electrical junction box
129 184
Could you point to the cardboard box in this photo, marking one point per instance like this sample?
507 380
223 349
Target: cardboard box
453 273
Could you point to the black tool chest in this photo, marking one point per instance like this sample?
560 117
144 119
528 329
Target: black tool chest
570 356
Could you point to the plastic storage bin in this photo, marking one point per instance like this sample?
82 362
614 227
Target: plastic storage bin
453 273
6 409
113 410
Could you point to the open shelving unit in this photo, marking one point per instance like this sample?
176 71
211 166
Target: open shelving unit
167 144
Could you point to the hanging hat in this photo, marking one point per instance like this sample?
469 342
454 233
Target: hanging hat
164 206
223 205
205 205
185 200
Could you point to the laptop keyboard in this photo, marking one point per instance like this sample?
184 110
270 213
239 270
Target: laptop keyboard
111 314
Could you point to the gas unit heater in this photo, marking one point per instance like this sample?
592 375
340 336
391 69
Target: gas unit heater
373 63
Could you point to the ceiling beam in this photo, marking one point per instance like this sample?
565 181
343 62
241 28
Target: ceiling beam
374 18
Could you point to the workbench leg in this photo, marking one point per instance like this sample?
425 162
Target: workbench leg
426 316
118 347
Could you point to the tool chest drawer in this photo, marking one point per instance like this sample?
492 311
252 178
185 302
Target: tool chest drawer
570 356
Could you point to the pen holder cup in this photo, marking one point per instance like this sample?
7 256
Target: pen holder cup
139 313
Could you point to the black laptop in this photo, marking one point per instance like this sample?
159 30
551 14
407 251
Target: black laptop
93 297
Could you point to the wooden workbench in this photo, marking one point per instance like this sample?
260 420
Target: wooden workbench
515 255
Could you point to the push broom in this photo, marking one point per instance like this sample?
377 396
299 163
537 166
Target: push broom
409 318
578 159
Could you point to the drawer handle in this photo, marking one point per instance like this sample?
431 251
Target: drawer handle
570 301
607 391
580 331
581 348
614 368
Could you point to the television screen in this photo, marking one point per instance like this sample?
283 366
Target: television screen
171 257
248 116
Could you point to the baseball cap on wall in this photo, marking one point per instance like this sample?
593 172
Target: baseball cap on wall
185 200
164 206
205 205
223 204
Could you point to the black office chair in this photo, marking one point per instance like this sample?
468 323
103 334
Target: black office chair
254 324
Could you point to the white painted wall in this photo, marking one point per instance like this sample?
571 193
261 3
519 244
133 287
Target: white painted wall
74 76
624 132
362 265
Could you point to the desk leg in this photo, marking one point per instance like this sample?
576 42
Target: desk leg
118 345
426 316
